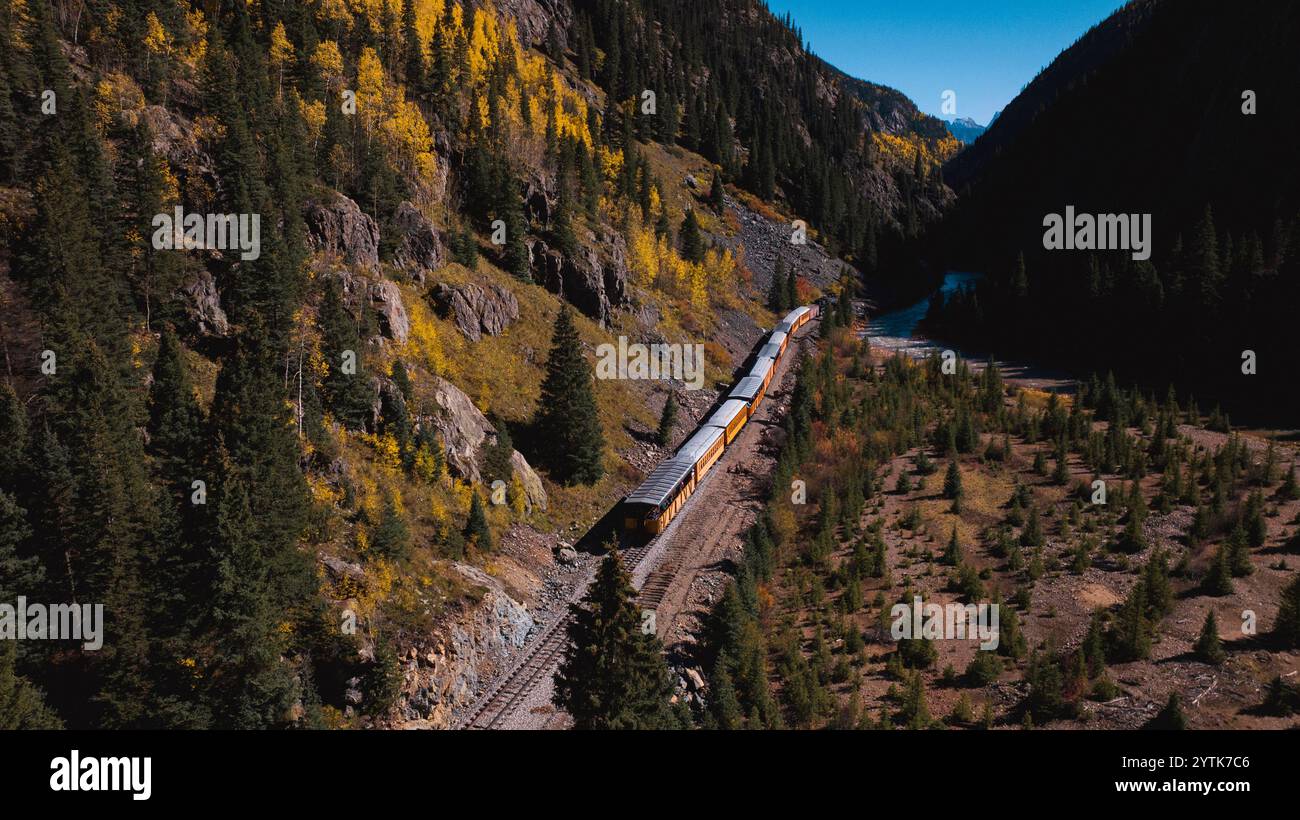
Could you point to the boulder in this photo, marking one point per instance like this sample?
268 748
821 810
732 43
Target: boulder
464 429
342 569
594 280
422 247
476 309
202 305
695 679
383 297
386 300
534 492
338 226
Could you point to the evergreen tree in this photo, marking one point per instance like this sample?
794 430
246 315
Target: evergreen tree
515 255
692 244
952 553
568 428
666 420
1171 717
776 295
715 192
247 683
391 537
1218 581
476 525
613 674
22 705
1287 628
1209 647
952 485
347 394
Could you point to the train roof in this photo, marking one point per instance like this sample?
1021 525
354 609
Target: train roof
747 388
770 350
793 316
726 414
762 367
697 445
777 337
661 484
784 326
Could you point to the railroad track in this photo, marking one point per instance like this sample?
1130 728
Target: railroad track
504 696
502 699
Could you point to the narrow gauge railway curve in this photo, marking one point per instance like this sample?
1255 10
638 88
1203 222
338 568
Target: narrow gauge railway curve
646 514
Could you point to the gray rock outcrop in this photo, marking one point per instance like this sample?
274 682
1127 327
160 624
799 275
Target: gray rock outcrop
382 296
422 247
594 280
338 226
476 309
202 305
464 430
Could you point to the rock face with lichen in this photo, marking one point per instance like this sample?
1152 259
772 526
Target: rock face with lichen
442 671
379 295
593 280
421 247
476 309
464 431
338 227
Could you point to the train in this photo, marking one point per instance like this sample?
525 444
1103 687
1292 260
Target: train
653 505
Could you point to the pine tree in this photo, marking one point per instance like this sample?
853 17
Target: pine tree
1209 647
776 295
515 255
567 426
347 394
613 674
692 243
952 553
715 192
247 684
476 530
666 420
1171 717
952 488
13 432
1289 491
915 713
391 537
1218 581
1287 628
22 705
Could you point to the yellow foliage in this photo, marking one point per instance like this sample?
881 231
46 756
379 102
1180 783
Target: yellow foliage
313 115
281 48
517 495
901 151
329 62
423 346
385 111
114 94
156 38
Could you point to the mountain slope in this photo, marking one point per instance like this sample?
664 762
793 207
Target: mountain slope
1144 114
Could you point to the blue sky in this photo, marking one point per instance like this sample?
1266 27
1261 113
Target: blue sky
983 50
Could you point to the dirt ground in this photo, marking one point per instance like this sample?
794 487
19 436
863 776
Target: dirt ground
1062 600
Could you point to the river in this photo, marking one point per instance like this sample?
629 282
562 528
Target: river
895 330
